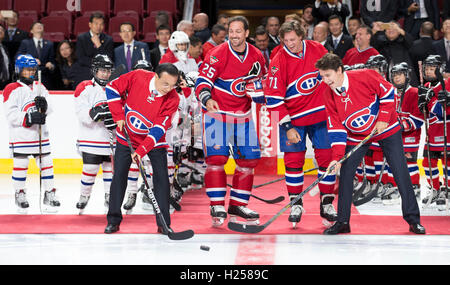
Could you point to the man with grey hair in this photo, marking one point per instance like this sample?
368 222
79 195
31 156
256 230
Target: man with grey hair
186 26
272 27
200 24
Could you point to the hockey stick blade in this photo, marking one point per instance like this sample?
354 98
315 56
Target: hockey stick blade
272 201
248 229
366 198
181 235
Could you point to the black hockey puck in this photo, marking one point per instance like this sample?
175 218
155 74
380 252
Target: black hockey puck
204 247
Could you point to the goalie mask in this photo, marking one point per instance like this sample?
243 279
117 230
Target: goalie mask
26 61
378 62
429 66
176 42
102 64
400 68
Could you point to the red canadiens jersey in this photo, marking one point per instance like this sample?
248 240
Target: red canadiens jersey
410 112
354 55
353 113
293 85
224 73
436 120
148 115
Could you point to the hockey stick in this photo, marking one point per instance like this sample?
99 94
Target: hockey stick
358 191
372 194
271 201
252 229
441 80
170 233
40 148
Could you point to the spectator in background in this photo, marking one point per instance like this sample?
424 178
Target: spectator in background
162 18
339 41
218 34
323 10
393 43
418 11
309 19
222 19
130 51
442 46
321 34
262 43
378 11
93 42
196 49
42 50
67 65
272 27
362 51
352 26
5 61
422 47
162 35
201 22
14 35
187 27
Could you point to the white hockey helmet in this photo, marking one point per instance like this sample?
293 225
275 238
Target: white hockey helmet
179 37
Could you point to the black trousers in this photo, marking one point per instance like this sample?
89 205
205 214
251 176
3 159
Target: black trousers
392 147
122 163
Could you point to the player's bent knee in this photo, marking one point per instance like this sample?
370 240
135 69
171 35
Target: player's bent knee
247 163
216 160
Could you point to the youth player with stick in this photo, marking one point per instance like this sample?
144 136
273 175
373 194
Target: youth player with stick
353 113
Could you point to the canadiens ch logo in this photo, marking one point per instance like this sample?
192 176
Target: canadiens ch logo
137 123
308 83
360 121
237 87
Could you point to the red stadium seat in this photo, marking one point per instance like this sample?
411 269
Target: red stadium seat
30 5
149 37
66 14
128 5
96 5
56 5
153 15
148 25
114 23
167 5
55 36
6 5
56 24
25 23
80 25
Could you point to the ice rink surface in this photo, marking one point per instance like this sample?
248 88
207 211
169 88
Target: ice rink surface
228 249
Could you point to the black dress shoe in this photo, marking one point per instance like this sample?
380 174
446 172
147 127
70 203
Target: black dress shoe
338 228
417 229
111 228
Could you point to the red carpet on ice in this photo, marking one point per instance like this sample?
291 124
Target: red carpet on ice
195 215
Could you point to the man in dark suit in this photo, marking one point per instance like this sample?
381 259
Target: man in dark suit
423 47
130 51
442 46
339 41
272 27
42 50
14 35
324 9
92 43
163 36
5 61
415 15
383 11
263 44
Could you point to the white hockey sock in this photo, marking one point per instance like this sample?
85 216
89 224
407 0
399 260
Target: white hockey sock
107 175
88 178
133 176
19 174
46 171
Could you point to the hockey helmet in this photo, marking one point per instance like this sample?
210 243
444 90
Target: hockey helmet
377 61
101 61
179 37
400 68
143 64
25 61
433 60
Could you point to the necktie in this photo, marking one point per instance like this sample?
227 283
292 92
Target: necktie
266 57
11 34
129 57
165 50
39 48
336 42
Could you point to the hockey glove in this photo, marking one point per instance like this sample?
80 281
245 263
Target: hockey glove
425 94
99 113
254 89
443 97
35 118
404 120
41 104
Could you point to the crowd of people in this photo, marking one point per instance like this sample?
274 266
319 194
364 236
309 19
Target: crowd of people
220 70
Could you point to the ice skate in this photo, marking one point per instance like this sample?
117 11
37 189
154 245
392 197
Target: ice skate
21 201
184 180
218 215
196 181
441 200
106 203
50 202
249 217
130 203
416 189
391 195
380 193
431 197
327 211
82 203
296 212
146 202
